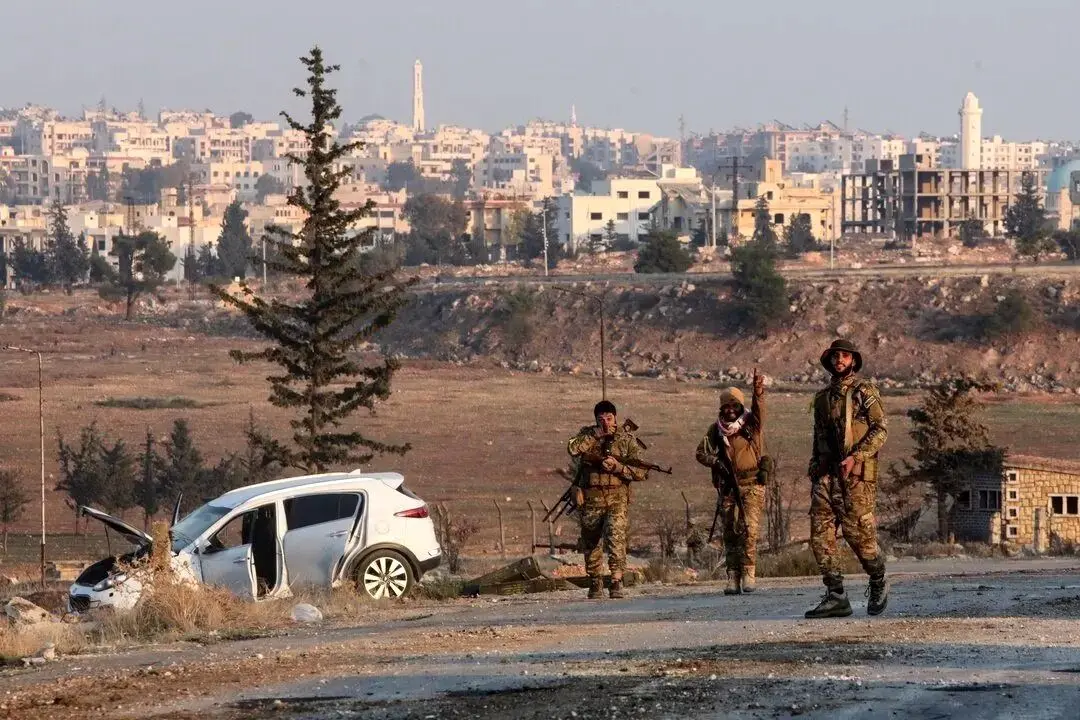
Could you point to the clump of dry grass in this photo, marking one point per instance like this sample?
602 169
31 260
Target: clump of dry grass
800 562
17 643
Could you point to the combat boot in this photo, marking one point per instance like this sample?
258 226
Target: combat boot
616 590
732 587
834 604
877 594
749 583
596 588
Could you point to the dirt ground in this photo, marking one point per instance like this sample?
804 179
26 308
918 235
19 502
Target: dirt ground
478 435
961 638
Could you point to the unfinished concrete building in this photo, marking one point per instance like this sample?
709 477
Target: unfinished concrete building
915 198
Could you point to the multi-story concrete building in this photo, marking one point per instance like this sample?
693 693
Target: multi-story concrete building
627 200
242 177
916 198
522 173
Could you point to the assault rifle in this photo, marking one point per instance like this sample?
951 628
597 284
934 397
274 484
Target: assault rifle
566 502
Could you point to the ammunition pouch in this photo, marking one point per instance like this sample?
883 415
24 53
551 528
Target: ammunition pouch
766 466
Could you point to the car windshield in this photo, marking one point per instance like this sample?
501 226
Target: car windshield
195 524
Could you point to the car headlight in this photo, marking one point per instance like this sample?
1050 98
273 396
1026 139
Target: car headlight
111 582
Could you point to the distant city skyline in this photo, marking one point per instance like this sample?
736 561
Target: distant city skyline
487 64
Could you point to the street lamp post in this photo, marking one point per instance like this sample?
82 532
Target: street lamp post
41 445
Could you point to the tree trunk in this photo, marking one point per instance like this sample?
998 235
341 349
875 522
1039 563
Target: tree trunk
130 304
942 516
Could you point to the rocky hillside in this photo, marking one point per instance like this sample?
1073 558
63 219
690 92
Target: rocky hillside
912 330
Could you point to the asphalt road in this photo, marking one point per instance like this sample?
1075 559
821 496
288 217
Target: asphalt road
971 639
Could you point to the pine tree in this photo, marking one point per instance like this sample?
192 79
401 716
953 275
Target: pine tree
799 235
609 238
29 266
234 244
1025 221
763 221
760 286
662 253
120 478
82 470
183 468
207 262
952 446
13 500
313 337
66 256
148 492
101 270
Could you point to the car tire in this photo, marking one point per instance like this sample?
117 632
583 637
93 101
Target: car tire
384 574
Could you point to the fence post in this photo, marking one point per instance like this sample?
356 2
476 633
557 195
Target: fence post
532 523
551 529
502 531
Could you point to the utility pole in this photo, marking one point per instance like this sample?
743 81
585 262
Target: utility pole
543 224
734 197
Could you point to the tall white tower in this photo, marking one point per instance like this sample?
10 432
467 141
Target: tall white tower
970 133
418 98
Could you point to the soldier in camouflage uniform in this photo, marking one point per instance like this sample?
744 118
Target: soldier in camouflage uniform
849 431
603 495
732 448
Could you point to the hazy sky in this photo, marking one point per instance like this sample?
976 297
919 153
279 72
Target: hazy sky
898 66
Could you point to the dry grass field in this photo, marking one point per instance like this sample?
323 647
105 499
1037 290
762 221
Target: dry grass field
478 435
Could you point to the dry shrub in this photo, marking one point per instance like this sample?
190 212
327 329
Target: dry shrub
17 643
452 533
663 570
800 562
927 550
443 589
670 529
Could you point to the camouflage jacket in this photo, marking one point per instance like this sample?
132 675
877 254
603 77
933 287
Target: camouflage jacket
868 424
746 446
623 444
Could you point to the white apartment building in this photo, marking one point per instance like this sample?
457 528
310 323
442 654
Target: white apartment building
629 201
142 140
525 173
994 153
240 176
56 137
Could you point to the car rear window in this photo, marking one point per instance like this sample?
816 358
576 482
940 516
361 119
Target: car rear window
315 509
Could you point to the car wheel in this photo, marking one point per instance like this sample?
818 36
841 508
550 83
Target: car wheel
384 574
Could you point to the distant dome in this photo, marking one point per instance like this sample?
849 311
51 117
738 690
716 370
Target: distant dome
1060 177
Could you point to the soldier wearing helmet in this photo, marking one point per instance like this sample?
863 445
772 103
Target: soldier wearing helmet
849 431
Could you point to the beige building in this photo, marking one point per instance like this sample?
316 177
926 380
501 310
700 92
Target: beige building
787 199
1035 503
491 219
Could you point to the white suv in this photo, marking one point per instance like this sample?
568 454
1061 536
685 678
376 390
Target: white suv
261 541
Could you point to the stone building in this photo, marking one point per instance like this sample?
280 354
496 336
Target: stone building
1035 502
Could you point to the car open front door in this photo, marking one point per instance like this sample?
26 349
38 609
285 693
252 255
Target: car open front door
317 530
226 558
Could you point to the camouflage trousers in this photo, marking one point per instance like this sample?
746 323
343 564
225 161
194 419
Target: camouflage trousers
741 526
856 519
604 525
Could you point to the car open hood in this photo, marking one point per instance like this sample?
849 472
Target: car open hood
137 537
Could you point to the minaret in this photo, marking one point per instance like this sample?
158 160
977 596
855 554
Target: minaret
418 98
573 116
970 133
